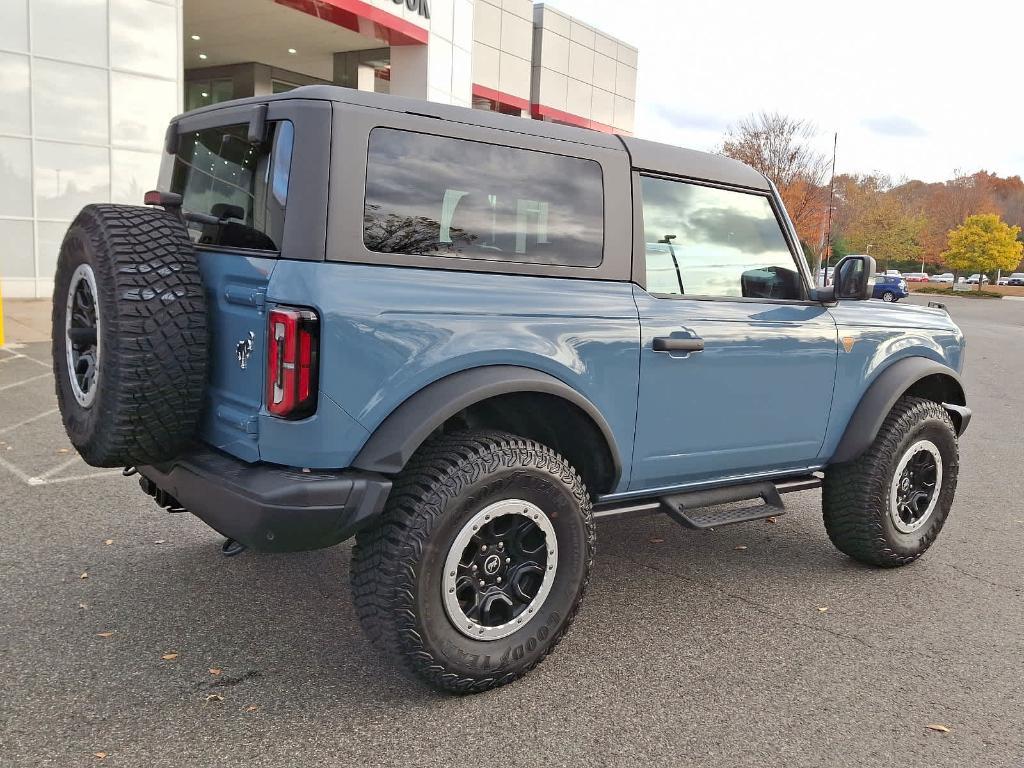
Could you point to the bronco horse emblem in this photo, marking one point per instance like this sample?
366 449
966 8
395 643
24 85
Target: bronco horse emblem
243 350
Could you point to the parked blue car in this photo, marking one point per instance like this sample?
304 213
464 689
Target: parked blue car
462 338
889 288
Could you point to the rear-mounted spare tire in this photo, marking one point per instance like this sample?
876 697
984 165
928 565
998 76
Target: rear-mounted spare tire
129 335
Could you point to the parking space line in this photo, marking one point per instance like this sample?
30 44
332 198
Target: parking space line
29 420
54 470
18 473
19 356
24 381
73 478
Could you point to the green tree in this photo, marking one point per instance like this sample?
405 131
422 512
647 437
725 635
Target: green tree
983 243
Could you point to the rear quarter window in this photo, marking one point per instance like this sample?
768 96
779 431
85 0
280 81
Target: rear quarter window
440 196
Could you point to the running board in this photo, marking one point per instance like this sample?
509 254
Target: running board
702 509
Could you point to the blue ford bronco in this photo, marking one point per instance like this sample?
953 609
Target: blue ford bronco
463 338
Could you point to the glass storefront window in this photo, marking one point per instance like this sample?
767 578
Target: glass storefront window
202 93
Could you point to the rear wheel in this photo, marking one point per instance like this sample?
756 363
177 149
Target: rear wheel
889 296
480 563
888 506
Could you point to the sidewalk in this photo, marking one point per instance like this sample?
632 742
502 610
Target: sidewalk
26 320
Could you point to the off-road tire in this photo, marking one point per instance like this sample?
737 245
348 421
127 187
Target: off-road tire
397 566
856 494
152 335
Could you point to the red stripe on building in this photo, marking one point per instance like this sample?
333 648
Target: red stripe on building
362 18
500 97
540 112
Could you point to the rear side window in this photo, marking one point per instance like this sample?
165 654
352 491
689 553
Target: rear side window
439 196
702 241
218 172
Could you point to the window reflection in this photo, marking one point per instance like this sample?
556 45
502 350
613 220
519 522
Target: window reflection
70 102
143 37
16 175
440 196
69 177
713 242
14 93
140 109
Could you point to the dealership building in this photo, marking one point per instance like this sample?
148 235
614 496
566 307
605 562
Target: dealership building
88 86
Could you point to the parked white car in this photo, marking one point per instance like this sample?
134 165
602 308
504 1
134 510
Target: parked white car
945 277
975 278
893 273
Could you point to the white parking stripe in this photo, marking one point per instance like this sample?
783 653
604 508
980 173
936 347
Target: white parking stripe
23 476
19 356
90 476
29 420
24 381
51 472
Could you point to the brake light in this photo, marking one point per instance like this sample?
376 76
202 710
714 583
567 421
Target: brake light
293 346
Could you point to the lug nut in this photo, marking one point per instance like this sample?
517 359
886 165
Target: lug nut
483 547
499 579
473 567
501 545
508 560
481 582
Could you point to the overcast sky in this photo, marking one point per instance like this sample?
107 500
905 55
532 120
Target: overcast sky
914 89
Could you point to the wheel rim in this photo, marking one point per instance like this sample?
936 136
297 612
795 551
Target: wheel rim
915 486
500 569
82 335
887 297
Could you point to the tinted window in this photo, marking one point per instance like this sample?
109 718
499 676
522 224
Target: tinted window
218 172
703 241
439 196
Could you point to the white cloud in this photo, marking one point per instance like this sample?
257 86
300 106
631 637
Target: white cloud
914 89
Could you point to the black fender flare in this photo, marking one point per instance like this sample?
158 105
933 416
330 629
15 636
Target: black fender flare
882 394
395 440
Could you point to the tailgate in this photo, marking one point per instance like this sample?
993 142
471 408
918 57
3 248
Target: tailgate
236 287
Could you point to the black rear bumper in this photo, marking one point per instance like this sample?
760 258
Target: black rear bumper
265 506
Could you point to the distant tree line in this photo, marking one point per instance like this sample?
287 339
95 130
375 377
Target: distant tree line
904 224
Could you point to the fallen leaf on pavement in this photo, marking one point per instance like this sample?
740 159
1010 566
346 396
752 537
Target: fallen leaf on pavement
214 697
100 755
159 541
741 547
85 575
771 520
170 656
83 606
108 542
822 608
62 450
251 708
656 540
214 671
105 634
937 727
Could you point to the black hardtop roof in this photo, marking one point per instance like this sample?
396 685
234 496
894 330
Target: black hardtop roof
645 155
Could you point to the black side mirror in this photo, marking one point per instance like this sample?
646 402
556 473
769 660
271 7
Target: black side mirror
853 278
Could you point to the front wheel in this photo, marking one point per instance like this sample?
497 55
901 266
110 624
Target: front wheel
889 296
887 507
480 562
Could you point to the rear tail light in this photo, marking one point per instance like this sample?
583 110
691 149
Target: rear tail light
292 360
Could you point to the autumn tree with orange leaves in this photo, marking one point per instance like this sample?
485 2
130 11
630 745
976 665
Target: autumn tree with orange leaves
782 149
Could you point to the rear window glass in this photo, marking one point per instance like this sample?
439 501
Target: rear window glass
439 196
218 172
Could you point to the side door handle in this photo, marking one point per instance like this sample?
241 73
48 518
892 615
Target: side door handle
674 344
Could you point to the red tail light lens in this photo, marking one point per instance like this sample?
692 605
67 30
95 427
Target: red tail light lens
293 341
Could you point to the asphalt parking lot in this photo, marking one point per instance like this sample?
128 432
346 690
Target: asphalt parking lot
126 634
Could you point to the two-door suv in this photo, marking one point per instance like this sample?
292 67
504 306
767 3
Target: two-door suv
463 338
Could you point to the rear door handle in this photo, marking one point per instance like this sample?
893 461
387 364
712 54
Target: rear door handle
674 344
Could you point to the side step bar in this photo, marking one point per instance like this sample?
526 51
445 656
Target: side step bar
704 509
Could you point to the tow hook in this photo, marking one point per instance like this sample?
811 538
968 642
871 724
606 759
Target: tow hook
230 548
